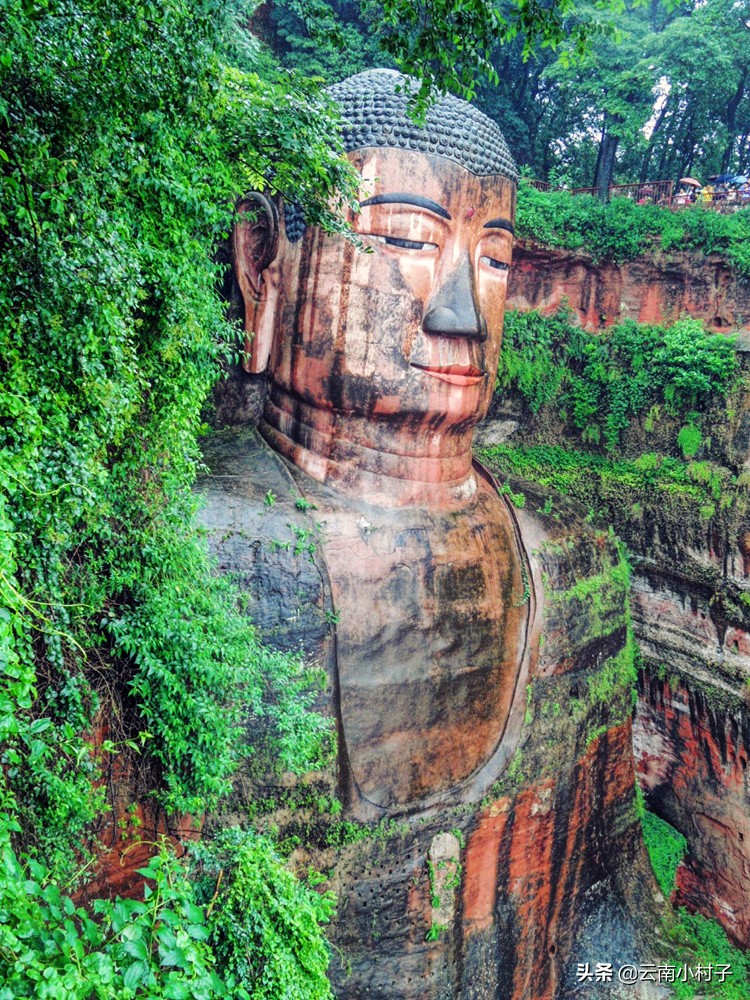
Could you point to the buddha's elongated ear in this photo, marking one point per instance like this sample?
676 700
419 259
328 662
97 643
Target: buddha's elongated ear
255 243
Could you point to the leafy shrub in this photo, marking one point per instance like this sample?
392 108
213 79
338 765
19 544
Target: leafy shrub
617 231
600 382
264 924
255 932
54 950
200 668
666 848
622 229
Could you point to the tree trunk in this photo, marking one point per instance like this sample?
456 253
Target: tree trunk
605 165
652 143
732 106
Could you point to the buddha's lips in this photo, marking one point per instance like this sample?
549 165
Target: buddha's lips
455 374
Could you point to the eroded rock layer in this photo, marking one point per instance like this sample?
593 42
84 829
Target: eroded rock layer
692 751
656 288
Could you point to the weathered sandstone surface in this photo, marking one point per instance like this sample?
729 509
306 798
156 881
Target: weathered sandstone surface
692 730
656 288
494 890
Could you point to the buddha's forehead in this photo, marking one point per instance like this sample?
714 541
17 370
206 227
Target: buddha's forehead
388 171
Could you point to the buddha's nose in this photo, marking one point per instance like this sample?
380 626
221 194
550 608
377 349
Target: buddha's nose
452 311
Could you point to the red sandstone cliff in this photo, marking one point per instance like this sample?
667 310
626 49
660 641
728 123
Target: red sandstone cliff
690 582
692 761
657 288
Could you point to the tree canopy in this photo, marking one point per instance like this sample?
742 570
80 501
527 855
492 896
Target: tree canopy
623 92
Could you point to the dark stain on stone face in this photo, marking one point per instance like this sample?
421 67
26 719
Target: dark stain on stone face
586 293
299 303
427 671
401 588
343 307
459 583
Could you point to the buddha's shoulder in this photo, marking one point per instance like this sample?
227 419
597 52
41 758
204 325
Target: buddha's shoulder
263 533
579 579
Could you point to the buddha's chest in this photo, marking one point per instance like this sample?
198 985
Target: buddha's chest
430 617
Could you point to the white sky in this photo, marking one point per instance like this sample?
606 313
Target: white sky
661 93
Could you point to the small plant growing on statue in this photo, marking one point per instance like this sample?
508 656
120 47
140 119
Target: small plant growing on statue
276 545
304 542
517 499
270 499
435 931
302 504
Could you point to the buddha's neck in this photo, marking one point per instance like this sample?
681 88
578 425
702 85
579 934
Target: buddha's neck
385 462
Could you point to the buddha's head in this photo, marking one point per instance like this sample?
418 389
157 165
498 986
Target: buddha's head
385 360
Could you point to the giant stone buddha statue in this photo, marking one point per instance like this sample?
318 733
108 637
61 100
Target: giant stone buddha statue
449 623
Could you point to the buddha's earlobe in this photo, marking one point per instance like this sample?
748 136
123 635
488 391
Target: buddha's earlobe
255 242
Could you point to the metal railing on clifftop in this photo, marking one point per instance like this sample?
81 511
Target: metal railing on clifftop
667 194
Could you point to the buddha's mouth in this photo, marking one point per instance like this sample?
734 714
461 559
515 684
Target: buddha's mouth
454 374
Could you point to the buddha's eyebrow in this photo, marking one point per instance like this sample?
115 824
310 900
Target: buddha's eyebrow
501 224
418 200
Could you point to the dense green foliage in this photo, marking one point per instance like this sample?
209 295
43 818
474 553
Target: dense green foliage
696 940
622 230
264 923
617 490
664 95
52 950
666 848
241 927
700 941
117 183
584 92
126 135
599 383
446 45
637 424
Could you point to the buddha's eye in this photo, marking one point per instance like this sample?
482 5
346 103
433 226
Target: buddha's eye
394 241
499 265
